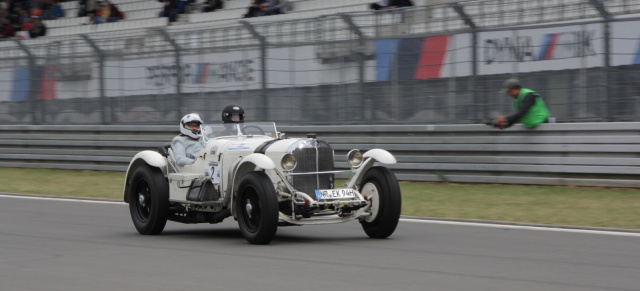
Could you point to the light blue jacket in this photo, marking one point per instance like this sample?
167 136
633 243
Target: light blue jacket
185 149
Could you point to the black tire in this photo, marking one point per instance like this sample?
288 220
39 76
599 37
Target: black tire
381 186
257 208
148 200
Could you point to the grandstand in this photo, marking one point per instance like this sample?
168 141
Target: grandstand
436 14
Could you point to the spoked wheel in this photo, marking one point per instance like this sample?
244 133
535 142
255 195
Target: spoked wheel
148 200
257 208
381 187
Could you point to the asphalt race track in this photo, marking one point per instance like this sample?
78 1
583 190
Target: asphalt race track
65 245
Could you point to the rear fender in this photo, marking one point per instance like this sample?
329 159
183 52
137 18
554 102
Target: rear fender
150 158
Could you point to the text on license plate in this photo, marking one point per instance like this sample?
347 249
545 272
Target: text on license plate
335 194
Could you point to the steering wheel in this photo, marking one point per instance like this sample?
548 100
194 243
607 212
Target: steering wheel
253 129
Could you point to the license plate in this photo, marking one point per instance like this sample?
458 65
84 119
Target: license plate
335 194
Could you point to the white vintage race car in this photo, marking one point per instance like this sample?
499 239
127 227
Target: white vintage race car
264 180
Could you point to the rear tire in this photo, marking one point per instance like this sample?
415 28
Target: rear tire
257 208
149 200
380 185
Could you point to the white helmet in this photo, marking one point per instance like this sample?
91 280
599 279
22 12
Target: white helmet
192 133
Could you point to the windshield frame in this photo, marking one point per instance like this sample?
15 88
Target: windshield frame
227 130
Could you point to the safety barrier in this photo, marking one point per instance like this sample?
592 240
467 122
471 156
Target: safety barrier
581 154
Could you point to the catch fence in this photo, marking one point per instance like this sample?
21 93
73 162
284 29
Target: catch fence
441 63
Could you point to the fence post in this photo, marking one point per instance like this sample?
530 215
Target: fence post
474 58
34 101
179 74
263 65
106 105
607 56
366 110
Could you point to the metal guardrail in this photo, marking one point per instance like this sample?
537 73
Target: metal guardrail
581 154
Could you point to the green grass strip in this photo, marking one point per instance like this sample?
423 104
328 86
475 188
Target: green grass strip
558 205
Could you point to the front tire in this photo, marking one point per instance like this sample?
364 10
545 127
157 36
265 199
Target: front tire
149 200
381 187
257 208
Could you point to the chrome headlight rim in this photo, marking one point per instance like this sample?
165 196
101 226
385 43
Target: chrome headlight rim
354 158
286 162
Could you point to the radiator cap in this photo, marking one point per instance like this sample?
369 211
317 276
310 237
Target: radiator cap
312 135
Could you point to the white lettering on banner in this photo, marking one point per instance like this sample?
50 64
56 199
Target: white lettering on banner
201 73
508 49
164 75
575 44
552 46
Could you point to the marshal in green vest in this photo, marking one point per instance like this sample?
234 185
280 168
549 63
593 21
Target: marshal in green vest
538 113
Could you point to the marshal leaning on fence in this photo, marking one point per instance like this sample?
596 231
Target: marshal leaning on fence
529 107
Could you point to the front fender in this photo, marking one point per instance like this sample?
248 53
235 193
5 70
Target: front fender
381 156
259 160
151 158
370 157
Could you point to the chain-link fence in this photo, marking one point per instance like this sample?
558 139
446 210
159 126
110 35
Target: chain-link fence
435 64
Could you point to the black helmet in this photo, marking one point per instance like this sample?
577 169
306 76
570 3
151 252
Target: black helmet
233 114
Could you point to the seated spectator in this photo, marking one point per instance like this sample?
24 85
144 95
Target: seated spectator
212 5
170 9
108 12
275 7
93 19
37 28
6 28
382 4
86 7
257 8
56 10
391 4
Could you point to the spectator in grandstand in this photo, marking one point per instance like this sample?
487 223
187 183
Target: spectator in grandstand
22 18
108 12
86 7
391 4
529 107
56 10
257 8
6 28
37 28
382 4
212 5
4 5
170 9
275 7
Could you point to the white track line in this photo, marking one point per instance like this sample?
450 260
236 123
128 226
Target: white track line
47 198
503 226
507 226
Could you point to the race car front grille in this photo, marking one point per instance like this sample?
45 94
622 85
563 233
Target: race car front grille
313 156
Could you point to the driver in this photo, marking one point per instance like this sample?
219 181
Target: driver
231 115
186 146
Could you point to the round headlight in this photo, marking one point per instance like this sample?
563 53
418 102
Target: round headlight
288 162
354 157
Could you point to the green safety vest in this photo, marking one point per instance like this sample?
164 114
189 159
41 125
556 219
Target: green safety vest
538 113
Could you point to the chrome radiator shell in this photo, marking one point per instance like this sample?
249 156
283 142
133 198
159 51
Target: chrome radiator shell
313 155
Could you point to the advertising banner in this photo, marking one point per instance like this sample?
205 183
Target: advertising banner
423 58
625 43
540 49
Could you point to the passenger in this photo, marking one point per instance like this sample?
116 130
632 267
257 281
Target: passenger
187 146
